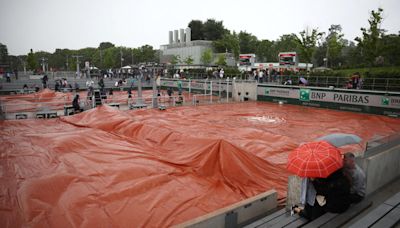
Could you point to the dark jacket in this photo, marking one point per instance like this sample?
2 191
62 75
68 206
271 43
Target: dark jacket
75 104
336 189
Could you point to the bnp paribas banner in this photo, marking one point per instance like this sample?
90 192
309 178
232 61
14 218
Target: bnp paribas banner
306 94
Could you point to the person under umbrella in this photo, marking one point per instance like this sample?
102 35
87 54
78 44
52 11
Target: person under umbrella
357 177
325 187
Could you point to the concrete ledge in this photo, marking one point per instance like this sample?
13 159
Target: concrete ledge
382 168
236 213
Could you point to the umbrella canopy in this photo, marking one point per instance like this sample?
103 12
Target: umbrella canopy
315 159
303 80
341 139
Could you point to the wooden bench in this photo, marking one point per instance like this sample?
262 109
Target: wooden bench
329 220
137 106
46 115
20 116
280 218
68 109
114 105
386 214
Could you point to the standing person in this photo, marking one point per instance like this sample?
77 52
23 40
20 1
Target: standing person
16 74
260 76
44 81
101 84
57 86
221 73
356 176
75 104
8 77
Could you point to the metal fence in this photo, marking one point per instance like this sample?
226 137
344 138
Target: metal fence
380 84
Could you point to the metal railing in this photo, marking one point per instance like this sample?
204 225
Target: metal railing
379 84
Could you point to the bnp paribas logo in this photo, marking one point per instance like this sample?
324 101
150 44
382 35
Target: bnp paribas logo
385 101
266 92
304 94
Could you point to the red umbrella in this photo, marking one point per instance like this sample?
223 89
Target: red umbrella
315 159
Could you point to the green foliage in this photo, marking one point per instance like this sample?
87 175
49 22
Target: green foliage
111 57
189 60
391 49
373 72
105 45
3 54
207 57
266 51
147 53
285 43
229 42
370 42
196 27
32 61
335 44
307 43
247 42
231 71
213 30
176 59
221 60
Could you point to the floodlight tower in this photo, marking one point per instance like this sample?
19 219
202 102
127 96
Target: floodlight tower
77 63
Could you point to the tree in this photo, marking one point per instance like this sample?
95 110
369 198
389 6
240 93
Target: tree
247 42
3 54
286 42
334 45
189 60
111 57
207 56
265 51
213 30
228 43
196 27
221 60
391 49
307 44
32 61
105 45
148 54
175 59
370 42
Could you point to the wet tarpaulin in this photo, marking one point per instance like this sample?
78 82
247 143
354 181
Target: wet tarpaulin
152 168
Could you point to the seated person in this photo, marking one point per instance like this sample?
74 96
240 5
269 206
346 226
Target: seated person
356 176
331 194
170 91
75 104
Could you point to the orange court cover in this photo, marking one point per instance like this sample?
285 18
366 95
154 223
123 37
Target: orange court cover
152 168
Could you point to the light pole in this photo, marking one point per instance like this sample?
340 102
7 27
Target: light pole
122 59
132 56
23 63
77 63
67 63
44 64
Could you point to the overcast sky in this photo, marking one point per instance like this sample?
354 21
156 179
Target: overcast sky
49 24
